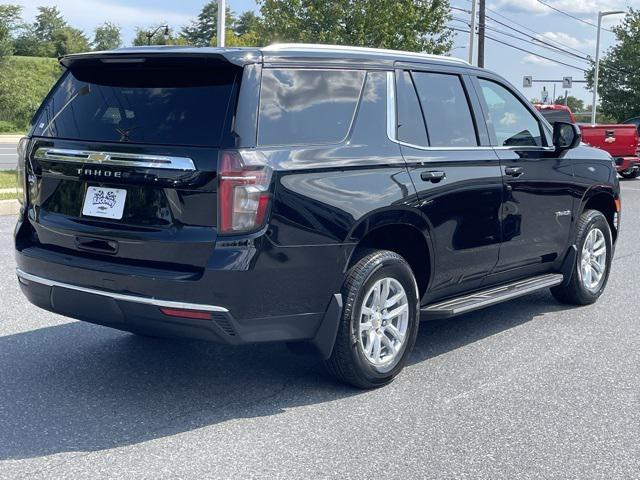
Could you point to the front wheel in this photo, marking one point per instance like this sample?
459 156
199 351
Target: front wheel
630 175
592 264
379 321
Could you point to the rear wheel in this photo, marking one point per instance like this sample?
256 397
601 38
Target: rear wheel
593 261
630 175
379 321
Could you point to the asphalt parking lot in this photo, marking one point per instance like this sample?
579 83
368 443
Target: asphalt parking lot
528 389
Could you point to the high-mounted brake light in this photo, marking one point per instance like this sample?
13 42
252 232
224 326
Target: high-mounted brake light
243 191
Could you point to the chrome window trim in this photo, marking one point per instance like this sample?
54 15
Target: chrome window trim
392 133
119 159
119 296
392 121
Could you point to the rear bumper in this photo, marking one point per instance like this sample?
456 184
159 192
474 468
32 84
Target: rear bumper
143 315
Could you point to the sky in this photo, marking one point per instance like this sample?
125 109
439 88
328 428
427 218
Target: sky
511 63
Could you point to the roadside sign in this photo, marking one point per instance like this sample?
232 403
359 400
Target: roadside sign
567 82
544 95
527 82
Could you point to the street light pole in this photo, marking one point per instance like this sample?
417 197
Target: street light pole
472 31
150 35
221 19
596 75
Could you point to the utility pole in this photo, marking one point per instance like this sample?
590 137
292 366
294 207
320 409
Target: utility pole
481 30
472 31
596 75
221 19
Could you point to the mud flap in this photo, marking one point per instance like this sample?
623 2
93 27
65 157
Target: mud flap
325 337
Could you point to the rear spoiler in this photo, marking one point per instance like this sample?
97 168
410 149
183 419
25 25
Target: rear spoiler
236 56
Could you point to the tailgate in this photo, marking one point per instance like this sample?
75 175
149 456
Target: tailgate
617 140
123 161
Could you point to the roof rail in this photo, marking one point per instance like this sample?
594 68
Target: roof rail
274 47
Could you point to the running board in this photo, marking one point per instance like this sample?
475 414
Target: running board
492 296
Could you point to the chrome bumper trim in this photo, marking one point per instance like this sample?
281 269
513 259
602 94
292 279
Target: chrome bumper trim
115 159
119 296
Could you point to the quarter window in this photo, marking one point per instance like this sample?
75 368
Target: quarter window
302 107
446 110
411 128
513 123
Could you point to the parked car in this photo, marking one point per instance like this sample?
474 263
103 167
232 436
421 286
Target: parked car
325 196
556 113
633 121
620 141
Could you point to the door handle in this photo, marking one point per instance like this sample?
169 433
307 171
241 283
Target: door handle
433 177
514 171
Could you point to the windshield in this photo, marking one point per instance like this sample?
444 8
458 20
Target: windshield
180 104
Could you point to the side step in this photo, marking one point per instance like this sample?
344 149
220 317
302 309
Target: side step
492 296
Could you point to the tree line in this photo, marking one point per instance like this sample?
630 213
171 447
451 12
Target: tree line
399 24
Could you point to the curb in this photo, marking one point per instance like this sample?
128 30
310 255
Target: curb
9 207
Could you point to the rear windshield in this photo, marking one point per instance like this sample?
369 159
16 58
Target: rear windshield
185 103
553 116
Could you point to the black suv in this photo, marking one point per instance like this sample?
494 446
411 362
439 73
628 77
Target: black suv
316 195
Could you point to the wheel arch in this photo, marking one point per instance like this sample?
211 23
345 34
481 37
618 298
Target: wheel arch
604 200
402 231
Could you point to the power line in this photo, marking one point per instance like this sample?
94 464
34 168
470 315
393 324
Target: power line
586 22
523 50
535 32
543 43
537 39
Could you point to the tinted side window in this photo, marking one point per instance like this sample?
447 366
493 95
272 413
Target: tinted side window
411 128
514 124
299 106
446 110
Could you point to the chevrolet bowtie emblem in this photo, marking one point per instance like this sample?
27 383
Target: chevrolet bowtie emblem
97 157
610 140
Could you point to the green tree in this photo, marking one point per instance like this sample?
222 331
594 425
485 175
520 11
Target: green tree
48 21
68 40
202 32
107 37
619 84
248 22
399 24
48 36
574 103
9 23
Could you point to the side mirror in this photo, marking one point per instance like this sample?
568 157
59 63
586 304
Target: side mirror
566 136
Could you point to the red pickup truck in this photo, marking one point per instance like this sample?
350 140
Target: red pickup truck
620 141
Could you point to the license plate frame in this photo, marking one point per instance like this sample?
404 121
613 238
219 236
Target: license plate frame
104 202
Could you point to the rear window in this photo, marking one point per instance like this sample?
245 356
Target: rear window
303 107
184 103
553 116
446 110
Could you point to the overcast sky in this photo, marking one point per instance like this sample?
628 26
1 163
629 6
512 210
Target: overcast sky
513 64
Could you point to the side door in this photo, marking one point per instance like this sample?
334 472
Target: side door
538 205
456 174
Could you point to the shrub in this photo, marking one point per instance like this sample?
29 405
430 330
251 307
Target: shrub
24 82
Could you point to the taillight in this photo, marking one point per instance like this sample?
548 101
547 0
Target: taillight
243 191
21 181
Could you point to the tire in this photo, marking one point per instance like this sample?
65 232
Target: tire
576 291
350 363
630 175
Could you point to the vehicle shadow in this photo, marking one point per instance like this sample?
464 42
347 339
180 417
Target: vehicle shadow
80 388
